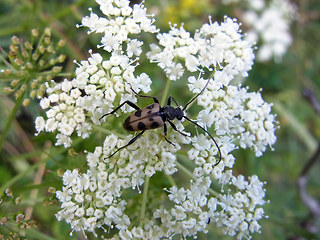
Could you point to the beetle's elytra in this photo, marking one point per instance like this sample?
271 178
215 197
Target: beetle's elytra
144 119
155 116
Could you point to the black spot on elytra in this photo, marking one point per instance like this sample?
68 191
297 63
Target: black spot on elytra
127 125
141 126
151 106
154 125
138 113
151 119
149 112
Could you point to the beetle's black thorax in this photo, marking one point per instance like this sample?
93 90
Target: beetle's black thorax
170 113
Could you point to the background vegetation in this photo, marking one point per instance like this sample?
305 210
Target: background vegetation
30 166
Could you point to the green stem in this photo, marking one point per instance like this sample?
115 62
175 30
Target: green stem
189 173
4 60
107 131
185 170
20 175
72 9
213 192
171 180
17 177
8 31
144 200
45 73
165 92
31 233
11 119
300 130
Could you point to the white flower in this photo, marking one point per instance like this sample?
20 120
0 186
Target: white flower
51 125
66 86
63 140
39 124
206 118
271 23
134 47
44 103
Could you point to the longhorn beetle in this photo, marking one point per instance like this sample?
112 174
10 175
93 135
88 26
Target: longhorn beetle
155 116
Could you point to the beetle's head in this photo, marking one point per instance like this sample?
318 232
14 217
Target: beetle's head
179 113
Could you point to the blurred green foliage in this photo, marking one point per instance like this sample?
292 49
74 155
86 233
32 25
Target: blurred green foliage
283 83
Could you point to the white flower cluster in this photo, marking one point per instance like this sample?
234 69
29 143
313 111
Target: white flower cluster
269 23
87 204
272 27
237 213
235 113
107 196
213 46
96 199
92 93
240 211
121 21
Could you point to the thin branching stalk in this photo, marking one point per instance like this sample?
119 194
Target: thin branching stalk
11 119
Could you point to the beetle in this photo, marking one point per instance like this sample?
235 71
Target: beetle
155 116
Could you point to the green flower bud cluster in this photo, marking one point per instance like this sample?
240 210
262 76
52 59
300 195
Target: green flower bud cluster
30 64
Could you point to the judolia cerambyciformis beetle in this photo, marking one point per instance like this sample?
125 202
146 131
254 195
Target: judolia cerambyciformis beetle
155 116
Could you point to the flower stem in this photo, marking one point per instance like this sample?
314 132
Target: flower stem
165 92
50 156
171 180
185 170
107 131
144 200
189 173
11 119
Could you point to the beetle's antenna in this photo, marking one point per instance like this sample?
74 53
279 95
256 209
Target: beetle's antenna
196 96
209 135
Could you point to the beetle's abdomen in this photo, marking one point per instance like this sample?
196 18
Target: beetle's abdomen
144 119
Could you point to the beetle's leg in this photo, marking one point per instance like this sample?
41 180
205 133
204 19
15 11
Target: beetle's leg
175 128
139 95
165 131
169 101
129 143
131 104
